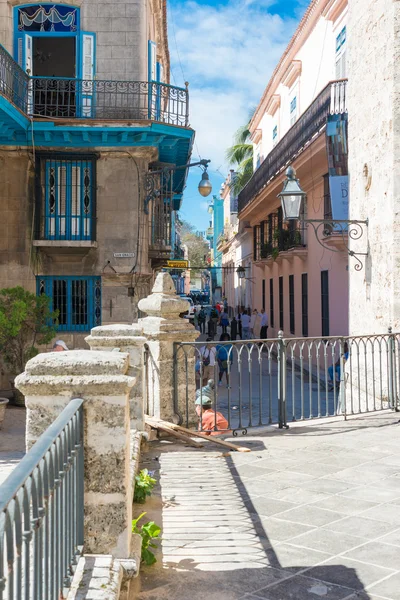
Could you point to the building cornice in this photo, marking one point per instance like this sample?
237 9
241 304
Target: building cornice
292 73
333 9
307 23
273 104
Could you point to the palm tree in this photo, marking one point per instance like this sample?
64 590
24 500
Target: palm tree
241 156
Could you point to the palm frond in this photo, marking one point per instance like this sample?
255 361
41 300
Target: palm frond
238 153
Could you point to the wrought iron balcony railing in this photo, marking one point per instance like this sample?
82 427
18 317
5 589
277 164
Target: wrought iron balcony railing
332 100
63 98
273 236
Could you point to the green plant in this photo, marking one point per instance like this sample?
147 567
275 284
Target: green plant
144 484
25 320
148 531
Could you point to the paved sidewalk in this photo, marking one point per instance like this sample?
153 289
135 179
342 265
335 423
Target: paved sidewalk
12 440
313 512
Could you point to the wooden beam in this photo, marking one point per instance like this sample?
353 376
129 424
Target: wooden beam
211 438
179 436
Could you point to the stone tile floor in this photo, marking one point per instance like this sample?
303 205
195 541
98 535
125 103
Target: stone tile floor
12 440
313 512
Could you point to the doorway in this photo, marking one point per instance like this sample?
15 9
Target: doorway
54 57
54 60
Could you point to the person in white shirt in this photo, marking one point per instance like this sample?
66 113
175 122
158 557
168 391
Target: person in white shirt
264 325
245 325
253 322
205 363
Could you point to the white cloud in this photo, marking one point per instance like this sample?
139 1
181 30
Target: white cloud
228 53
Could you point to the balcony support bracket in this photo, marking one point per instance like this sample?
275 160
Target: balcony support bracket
348 230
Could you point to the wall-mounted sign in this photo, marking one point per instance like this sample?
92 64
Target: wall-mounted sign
124 255
178 264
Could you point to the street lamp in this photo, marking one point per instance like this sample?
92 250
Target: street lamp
241 272
291 198
205 187
159 182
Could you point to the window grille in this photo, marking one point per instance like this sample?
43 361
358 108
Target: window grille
66 193
77 300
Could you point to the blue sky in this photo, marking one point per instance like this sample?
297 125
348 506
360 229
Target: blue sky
227 50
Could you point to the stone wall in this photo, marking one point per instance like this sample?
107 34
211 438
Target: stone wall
374 152
120 218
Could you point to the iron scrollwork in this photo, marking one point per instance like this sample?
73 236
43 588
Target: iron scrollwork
347 230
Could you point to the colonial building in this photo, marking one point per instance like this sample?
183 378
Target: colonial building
300 276
87 115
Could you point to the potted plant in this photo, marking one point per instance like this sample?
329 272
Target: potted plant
26 321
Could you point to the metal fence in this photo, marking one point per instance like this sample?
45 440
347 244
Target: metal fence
41 513
262 382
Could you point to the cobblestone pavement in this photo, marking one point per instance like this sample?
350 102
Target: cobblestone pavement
12 440
313 512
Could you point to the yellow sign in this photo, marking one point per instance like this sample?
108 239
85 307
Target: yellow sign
178 264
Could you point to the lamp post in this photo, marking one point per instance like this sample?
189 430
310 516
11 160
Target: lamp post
160 182
292 197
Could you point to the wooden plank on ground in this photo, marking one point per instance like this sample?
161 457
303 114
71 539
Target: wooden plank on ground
185 438
192 432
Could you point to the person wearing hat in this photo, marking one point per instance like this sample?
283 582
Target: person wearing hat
59 346
212 422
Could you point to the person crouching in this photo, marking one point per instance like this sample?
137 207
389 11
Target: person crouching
212 422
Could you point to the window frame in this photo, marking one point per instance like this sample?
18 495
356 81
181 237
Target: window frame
291 305
271 303
281 304
304 304
43 225
325 329
45 285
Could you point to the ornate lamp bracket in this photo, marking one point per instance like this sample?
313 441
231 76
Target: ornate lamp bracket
155 182
348 230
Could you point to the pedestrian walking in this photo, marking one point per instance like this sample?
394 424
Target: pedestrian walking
246 319
213 322
202 316
264 325
225 358
205 363
234 329
224 321
253 322
239 321
195 318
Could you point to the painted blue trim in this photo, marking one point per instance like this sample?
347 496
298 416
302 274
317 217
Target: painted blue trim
80 71
93 298
59 225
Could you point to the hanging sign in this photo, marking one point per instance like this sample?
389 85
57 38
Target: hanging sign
339 189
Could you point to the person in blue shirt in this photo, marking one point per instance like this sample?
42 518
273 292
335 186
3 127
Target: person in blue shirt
337 368
225 358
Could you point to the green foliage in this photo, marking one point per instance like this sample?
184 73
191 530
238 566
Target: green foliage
25 320
148 532
240 154
144 484
198 248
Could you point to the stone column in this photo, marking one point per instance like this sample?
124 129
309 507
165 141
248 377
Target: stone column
162 327
127 338
49 382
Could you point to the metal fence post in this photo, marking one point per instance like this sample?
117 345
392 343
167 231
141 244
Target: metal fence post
391 368
282 382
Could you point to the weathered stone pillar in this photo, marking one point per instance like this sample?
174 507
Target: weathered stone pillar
162 327
49 382
127 338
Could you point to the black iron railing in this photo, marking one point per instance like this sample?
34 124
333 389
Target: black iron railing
274 236
14 82
62 98
332 100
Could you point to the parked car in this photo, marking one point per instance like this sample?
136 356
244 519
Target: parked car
190 312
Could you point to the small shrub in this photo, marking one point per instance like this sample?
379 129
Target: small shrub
148 532
144 484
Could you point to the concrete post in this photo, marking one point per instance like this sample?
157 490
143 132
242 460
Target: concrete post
127 338
162 327
49 382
